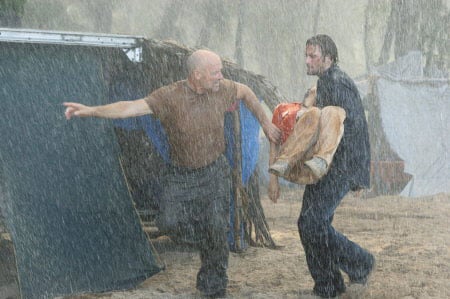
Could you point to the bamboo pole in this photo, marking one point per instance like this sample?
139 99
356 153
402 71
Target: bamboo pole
237 181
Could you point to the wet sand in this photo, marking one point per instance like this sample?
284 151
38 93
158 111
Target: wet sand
410 238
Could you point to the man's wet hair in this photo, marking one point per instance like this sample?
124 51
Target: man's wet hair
327 46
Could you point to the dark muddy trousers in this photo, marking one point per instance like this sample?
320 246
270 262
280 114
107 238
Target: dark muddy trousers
328 251
195 210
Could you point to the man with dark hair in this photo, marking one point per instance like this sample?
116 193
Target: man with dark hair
328 251
327 45
195 202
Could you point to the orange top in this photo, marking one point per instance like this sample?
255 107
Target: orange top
284 117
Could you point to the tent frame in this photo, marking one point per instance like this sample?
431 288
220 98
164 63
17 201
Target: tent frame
131 45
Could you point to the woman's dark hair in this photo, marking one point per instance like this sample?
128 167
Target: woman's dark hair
327 46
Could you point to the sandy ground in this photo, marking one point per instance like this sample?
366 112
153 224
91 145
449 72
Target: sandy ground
408 236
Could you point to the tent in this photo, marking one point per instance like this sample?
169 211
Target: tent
414 113
64 196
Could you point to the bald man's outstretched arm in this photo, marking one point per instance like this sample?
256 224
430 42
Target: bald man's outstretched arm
121 109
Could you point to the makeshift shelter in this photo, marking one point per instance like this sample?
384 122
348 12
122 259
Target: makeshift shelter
64 197
410 128
66 186
145 149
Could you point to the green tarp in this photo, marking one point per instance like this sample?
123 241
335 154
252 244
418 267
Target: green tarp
63 195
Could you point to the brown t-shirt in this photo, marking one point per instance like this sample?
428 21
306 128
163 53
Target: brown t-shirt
194 123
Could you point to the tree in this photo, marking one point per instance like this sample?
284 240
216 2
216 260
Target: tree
418 25
216 20
238 51
100 11
11 12
167 27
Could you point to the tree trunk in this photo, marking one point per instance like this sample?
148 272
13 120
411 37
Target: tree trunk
167 29
11 12
215 21
389 35
101 13
316 17
238 53
366 34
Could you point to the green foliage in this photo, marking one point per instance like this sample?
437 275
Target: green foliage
16 6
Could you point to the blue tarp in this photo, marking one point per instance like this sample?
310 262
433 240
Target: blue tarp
249 146
249 141
249 136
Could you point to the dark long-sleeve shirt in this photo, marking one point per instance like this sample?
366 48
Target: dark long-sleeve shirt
352 158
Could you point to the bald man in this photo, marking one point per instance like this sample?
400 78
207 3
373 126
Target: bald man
195 204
